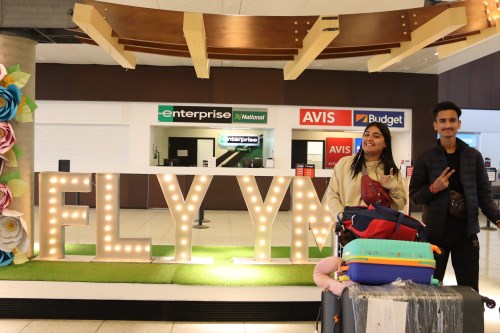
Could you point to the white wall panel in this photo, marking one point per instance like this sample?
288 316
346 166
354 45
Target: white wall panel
87 144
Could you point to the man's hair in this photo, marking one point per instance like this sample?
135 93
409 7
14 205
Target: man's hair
446 105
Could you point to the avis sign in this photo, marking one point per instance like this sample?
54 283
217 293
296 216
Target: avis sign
336 148
322 117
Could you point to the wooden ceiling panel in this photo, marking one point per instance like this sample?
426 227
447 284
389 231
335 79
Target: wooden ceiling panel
372 29
144 24
261 32
475 11
238 37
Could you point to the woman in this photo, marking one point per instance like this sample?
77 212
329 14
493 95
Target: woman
344 189
375 155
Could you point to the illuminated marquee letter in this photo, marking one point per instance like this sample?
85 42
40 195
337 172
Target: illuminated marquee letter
109 245
54 214
307 211
183 212
263 214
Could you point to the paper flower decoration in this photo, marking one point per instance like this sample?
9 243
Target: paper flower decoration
6 258
3 71
3 161
7 137
13 233
5 197
11 78
10 98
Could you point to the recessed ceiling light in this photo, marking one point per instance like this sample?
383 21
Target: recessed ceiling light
424 59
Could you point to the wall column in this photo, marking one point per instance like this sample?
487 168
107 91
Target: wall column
19 50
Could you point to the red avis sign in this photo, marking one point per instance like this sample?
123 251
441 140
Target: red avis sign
336 148
326 117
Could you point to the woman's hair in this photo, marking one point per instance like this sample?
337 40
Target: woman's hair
386 156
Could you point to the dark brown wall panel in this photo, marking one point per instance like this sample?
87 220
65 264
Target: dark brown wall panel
475 85
133 190
247 86
458 87
495 83
320 88
480 77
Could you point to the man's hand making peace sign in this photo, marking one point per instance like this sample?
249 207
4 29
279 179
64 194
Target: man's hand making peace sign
442 181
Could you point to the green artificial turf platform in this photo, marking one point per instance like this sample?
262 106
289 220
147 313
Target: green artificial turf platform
221 273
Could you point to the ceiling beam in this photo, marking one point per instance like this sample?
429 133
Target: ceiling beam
96 27
441 25
194 33
448 50
317 39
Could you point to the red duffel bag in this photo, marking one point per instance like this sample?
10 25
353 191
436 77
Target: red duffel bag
381 222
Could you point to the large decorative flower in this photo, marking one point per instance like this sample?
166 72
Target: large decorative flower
10 98
5 197
7 137
13 232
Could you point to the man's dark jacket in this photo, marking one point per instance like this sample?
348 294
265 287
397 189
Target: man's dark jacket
477 189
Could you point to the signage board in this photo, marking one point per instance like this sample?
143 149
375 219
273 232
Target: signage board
468 138
303 169
249 117
329 117
194 114
357 144
336 148
390 118
239 140
210 114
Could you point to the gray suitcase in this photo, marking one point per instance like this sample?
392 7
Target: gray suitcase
430 308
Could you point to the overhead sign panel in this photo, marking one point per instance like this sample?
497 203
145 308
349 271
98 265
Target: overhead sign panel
210 114
326 117
390 118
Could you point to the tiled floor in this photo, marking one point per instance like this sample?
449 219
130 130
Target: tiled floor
230 228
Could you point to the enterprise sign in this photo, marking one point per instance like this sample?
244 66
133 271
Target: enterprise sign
194 114
239 140
204 114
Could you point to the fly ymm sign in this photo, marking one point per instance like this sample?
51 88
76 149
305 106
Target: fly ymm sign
203 114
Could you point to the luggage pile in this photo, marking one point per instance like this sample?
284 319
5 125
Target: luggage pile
384 253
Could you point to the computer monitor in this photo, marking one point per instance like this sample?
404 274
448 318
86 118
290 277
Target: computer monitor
171 162
257 163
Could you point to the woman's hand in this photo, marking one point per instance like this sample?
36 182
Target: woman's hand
386 179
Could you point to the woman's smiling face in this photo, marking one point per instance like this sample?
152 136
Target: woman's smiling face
373 141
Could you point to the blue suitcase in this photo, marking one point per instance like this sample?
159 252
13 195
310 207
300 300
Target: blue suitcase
382 261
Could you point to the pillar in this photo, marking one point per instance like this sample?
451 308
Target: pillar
19 50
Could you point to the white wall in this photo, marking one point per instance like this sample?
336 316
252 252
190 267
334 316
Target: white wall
118 137
487 123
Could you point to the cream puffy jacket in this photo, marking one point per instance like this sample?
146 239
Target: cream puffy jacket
344 191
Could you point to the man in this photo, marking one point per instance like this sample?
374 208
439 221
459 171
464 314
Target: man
453 166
